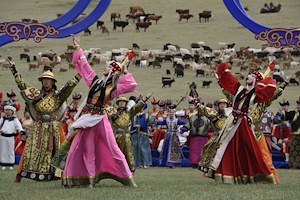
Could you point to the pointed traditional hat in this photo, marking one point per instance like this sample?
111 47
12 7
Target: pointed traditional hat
284 103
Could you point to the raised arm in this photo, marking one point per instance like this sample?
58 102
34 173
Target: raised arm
81 64
278 93
126 83
226 79
206 111
139 106
18 78
67 89
83 67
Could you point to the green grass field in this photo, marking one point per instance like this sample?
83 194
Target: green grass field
157 183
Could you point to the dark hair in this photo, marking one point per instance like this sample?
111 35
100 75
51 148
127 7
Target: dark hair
47 68
132 98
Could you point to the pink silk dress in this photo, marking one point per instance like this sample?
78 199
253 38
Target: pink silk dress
94 154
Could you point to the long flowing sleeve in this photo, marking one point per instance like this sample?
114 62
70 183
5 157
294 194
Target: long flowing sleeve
126 84
83 67
227 80
265 90
278 92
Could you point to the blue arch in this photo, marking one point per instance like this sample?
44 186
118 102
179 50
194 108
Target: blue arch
96 13
238 12
68 17
277 36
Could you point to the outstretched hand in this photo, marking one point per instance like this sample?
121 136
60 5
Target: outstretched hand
76 40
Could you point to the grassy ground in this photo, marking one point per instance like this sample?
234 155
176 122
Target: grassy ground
154 183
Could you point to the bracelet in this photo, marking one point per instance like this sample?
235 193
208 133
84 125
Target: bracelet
77 47
125 72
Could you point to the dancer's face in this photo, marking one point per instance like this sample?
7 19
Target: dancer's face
250 80
154 106
47 83
172 113
285 108
222 105
191 107
8 112
106 71
122 104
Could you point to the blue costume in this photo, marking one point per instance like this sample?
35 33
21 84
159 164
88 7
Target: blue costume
140 141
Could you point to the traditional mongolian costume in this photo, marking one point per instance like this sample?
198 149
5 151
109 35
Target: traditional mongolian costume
198 125
153 115
238 158
94 154
74 105
171 150
160 131
20 140
140 140
121 122
10 102
47 110
294 117
9 126
262 120
217 119
68 123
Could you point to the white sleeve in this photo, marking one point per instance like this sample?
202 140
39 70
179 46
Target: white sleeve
160 146
130 104
18 125
1 121
186 134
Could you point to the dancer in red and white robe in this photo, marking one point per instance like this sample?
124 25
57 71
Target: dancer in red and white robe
238 158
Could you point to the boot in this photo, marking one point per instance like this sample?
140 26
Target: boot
132 169
286 157
18 178
132 182
59 159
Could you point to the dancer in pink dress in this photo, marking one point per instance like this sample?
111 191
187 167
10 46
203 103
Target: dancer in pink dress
94 154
